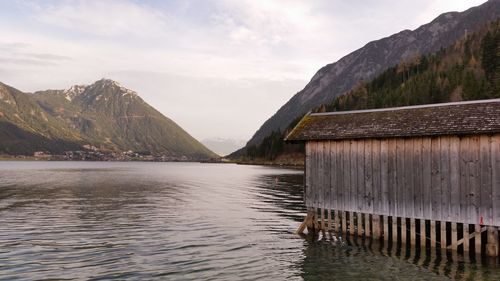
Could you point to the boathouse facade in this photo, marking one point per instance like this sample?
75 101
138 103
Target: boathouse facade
408 165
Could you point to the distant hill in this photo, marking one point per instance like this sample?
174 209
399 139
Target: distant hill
104 114
223 146
469 69
364 64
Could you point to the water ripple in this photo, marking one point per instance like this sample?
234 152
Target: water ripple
179 221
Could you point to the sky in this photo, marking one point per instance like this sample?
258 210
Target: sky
218 68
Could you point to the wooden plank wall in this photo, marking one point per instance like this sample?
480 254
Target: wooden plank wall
446 178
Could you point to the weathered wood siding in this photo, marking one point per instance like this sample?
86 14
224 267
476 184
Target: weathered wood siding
446 178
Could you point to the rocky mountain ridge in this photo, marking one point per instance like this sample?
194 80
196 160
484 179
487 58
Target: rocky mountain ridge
104 115
337 78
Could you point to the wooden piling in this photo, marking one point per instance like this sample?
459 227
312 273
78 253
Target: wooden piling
351 223
492 244
322 219
466 238
360 224
310 222
395 236
403 231
442 228
344 223
337 222
386 228
433 234
477 239
454 237
376 227
422 234
367 225
329 220
413 234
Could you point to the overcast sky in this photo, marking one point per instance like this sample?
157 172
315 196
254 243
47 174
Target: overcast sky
217 68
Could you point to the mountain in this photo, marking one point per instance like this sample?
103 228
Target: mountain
223 146
469 69
337 78
104 115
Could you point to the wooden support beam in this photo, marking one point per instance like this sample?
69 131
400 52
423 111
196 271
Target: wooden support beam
454 237
367 225
329 220
442 227
322 219
315 226
309 222
422 234
492 245
413 233
376 227
466 238
337 222
386 228
360 224
344 223
302 226
351 223
433 234
395 236
403 231
470 235
477 239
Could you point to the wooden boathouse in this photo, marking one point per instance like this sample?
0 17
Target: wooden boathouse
427 175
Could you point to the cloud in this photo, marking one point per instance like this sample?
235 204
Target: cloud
232 62
17 53
103 18
26 61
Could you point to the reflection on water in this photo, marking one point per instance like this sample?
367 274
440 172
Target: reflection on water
347 258
184 221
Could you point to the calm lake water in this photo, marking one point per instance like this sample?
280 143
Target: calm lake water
182 221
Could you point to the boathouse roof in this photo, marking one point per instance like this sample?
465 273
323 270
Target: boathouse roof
456 118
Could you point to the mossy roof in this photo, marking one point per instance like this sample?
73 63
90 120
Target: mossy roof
458 118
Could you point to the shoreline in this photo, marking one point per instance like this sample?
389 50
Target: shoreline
255 162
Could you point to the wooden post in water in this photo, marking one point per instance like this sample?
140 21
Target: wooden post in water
413 234
442 227
466 238
376 227
433 234
403 230
329 220
360 224
395 237
477 239
492 245
386 228
310 222
422 234
337 222
367 225
344 223
322 219
454 237
351 223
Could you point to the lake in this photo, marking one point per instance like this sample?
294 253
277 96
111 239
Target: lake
183 221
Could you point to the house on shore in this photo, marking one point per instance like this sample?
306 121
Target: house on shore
427 175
